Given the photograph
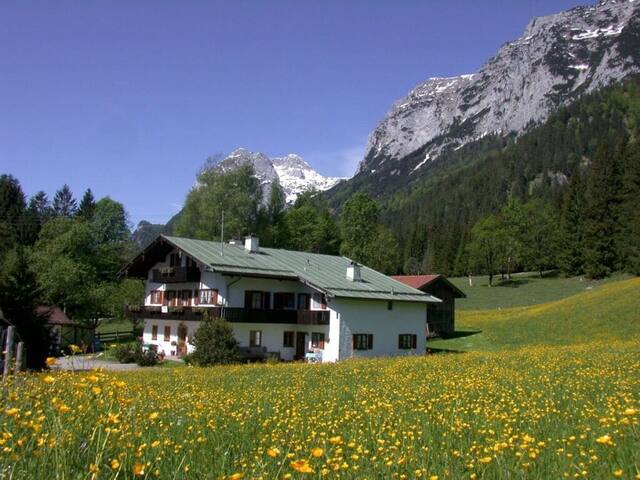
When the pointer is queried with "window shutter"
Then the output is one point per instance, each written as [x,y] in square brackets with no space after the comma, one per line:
[353,341]
[266,300]
[247,299]
[163,298]
[196,297]
[399,341]
[321,342]
[414,341]
[370,341]
[214,297]
[323,300]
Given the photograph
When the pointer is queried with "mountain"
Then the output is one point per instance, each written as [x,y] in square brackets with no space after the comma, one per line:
[294,175]
[559,58]
[291,171]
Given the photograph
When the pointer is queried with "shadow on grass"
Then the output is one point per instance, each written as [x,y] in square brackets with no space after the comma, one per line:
[434,351]
[461,334]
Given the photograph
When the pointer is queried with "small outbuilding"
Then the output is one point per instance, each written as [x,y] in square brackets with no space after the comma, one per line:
[440,316]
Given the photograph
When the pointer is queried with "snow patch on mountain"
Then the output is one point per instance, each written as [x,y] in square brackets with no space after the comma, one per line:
[292,172]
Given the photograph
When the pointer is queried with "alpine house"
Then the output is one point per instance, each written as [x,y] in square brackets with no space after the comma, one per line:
[280,303]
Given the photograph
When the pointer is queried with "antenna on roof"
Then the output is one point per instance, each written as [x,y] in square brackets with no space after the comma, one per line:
[222,235]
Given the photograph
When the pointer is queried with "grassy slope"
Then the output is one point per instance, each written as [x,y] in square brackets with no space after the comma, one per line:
[609,312]
[524,289]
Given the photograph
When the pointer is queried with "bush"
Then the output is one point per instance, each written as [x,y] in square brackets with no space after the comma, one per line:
[132,353]
[215,344]
[147,359]
[127,352]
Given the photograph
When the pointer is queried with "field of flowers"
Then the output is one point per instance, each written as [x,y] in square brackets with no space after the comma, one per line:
[541,412]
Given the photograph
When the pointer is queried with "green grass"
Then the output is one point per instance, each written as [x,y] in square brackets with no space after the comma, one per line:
[608,312]
[524,289]
[114,326]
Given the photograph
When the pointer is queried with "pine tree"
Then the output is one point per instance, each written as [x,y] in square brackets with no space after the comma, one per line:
[87,205]
[629,242]
[39,204]
[64,205]
[601,214]
[572,228]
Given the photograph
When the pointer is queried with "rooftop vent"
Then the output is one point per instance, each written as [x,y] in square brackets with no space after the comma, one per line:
[353,272]
[251,244]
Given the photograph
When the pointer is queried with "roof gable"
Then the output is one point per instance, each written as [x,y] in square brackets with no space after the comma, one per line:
[421,282]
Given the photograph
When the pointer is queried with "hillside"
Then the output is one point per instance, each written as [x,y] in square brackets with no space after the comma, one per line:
[557,59]
[606,313]
[432,216]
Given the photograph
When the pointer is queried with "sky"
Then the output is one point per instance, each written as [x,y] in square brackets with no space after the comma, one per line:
[129,97]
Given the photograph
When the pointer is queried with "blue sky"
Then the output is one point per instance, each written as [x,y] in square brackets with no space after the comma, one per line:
[130,97]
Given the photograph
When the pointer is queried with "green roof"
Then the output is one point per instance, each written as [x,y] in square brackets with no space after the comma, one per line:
[326,273]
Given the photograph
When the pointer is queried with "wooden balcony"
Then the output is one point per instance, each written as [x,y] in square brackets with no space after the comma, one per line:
[176,275]
[232,314]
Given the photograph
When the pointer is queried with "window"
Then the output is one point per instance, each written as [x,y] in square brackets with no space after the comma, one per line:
[257,300]
[362,341]
[255,338]
[167,333]
[174,260]
[317,340]
[186,297]
[284,301]
[287,340]
[407,341]
[154,332]
[208,297]
[304,301]
[171,298]
[319,301]
[156,297]
[389,305]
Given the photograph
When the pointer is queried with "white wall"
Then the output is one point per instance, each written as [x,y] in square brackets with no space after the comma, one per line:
[272,336]
[372,317]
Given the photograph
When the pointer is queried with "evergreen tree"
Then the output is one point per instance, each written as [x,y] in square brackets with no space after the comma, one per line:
[40,204]
[359,220]
[87,205]
[12,210]
[571,257]
[629,243]
[18,301]
[601,214]
[64,205]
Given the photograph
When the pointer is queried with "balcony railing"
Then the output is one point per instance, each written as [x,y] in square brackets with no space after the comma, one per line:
[176,274]
[232,314]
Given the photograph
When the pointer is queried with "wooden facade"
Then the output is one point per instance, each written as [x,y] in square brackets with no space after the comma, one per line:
[441,317]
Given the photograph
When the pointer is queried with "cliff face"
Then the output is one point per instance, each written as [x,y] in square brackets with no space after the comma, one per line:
[557,59]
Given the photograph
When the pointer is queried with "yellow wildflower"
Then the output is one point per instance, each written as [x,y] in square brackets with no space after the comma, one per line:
[301,466]
[273,452]
[115,464]
[138,469]
[604,440]
[317,452]
[153,415]
[48,379]
[485,460]
[51,361]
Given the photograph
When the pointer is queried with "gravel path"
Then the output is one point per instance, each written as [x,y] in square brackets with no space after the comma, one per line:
[89,362]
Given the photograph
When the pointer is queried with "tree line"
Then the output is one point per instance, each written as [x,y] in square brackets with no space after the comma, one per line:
[307,225]
[64,253]
[580,170]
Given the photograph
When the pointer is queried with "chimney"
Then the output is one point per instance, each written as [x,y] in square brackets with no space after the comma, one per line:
[251,244]
[353,272]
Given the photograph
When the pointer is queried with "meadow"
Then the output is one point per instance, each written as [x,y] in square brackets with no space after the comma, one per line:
[521,406]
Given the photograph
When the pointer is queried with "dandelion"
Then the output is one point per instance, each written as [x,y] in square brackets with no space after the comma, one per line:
[48,379]
[138,469]
[273,452]
[301,466]
[604,440]
[115,464]
[337,440]
[317,452]
[618,473]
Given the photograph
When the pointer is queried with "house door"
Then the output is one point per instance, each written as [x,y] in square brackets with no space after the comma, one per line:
[301,344]
[182,340]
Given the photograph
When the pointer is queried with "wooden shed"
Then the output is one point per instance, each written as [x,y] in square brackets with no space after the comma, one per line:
[440,316]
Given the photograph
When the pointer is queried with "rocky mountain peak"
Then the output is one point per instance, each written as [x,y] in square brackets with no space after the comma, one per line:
[558,58]
[292,172]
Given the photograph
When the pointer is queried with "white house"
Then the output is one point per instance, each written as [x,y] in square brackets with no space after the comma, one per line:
[280,303]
